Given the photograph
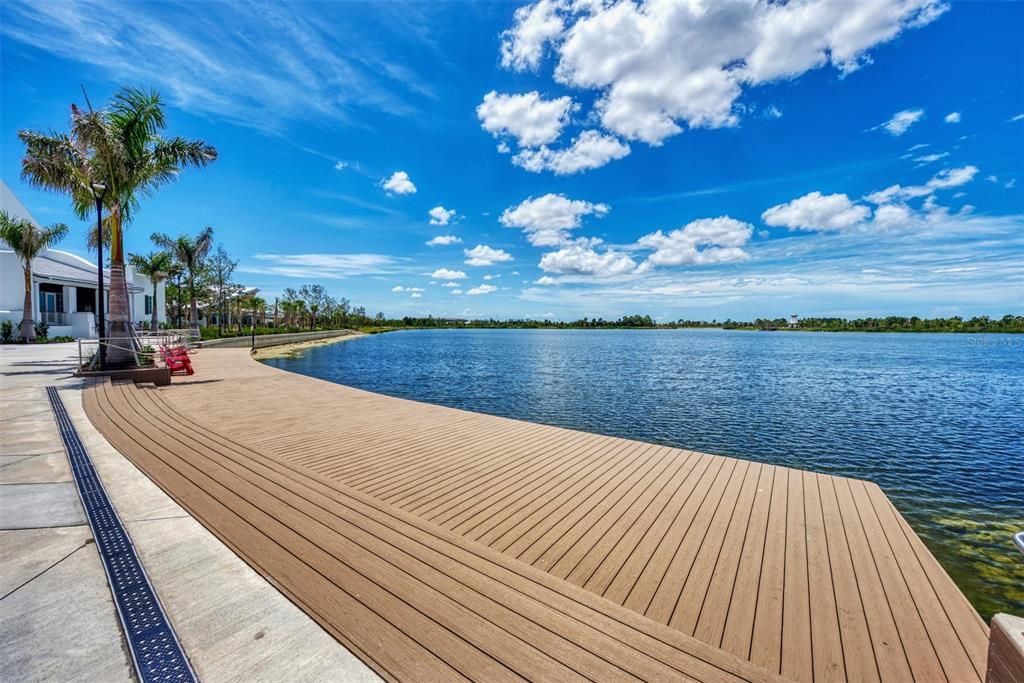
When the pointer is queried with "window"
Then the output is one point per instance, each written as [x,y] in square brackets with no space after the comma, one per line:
[149,305]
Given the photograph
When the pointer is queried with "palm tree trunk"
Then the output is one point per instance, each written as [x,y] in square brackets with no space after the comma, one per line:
[153,323]
[122,349]
[193,308]
[28,326]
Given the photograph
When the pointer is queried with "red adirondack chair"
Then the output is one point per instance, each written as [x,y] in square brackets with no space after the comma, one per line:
[179,364]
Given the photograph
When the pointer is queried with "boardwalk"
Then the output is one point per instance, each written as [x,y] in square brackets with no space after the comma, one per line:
[734,568]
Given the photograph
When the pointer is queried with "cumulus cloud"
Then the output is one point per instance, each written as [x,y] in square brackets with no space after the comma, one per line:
[450,284]
[722,240]
[523,45]
[578,259]
[440,215]
[591,149]
[341,166]
[400,288]
[952,117]
[545,280]
[815,211]
[901,121]
[483,255]
[491,277]
[416,295]
[660,65]
[482,289]
[548,220]
[399,183]
[950,177]
[446,274]
[528,117]
[443,241]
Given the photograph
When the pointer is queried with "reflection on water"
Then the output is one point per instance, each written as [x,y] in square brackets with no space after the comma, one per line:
[935,419]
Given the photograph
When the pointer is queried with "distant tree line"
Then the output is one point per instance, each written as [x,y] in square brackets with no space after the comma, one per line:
[1006,324]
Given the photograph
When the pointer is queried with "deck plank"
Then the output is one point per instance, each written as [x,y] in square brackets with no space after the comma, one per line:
[814,577]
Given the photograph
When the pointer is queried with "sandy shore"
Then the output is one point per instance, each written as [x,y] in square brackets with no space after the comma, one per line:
[298,348]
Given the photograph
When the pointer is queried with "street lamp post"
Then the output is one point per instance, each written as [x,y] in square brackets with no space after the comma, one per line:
[98,191]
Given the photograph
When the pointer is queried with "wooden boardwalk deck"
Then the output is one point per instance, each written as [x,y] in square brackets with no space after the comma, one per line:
[808,576]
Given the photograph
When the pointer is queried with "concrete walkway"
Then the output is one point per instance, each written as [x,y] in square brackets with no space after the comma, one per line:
[57,617]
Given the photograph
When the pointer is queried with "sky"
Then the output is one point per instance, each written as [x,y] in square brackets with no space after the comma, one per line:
[712,160]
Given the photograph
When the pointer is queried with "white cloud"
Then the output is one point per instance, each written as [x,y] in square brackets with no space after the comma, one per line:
[545,280]
[522,46]
[321,266]
[399,183]
[722,240]
[456,291]
[503,148]
[773,112]
[815,211]
[951,177]
[527,117]
[901,121]
[482,289]
[1018,117]
[446,274]
[929,158]
[920,145]
[341,166]
[483,255]
[658,65]
[416,295]
[952,117]
[443,241]
[450,284]
[398,288]
[440,215]
[591,149]
[491,277]
[577,259]
[268,69]
[548,219]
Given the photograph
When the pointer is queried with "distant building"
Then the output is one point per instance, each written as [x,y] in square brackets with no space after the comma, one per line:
[64,286]
[793,321]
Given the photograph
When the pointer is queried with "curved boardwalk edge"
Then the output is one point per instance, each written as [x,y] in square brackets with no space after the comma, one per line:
[413,600]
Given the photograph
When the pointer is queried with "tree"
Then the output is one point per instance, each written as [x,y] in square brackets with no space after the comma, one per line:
[26,240]
[191,253]
[220,268]
[314,296]
[157,266]
[121,148]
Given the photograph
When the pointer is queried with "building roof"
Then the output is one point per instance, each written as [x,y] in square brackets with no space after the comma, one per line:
[53,264]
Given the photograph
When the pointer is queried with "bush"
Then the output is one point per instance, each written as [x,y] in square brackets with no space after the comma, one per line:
[6,331]
[59,339]
[42,331]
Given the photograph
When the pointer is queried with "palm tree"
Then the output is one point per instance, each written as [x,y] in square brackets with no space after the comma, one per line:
[27,240]
[120,148]
[157,266]
[190,253]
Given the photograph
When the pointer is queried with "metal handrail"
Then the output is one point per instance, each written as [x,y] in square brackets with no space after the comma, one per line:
[1018,540]
[134,344]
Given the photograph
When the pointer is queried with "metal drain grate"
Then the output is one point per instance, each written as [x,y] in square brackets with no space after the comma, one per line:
[155,650]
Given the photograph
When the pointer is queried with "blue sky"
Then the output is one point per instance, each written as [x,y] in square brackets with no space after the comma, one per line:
[738,160]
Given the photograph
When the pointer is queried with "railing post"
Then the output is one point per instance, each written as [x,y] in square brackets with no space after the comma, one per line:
[1006,650]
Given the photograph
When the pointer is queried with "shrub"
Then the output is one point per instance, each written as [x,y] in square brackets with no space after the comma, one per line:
[59,339]
[42,331]
[6,331]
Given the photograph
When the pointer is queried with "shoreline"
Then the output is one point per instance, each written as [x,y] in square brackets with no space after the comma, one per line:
[296,349]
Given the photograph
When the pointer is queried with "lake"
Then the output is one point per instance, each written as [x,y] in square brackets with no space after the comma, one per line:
[937,420]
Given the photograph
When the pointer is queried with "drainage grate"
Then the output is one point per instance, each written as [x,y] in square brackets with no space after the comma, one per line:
[155,649]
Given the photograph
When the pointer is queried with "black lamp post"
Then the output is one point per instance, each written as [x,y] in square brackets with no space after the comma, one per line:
[99,190]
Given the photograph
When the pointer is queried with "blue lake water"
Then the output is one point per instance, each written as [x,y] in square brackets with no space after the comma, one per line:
[937,420]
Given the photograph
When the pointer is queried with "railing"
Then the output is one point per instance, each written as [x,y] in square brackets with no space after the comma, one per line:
[1019,541]
[88,348]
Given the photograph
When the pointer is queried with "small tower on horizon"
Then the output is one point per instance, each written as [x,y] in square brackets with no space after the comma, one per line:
[794,322]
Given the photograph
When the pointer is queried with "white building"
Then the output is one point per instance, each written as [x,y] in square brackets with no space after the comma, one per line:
[64,286]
